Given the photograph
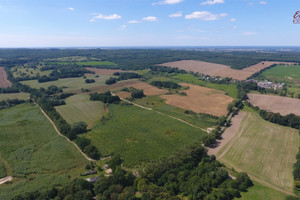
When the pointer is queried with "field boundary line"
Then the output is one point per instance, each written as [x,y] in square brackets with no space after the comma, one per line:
[150,109]
[59,133]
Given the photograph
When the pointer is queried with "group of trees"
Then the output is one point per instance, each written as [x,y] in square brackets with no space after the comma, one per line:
[165,84]
[296,171]
[122,76]
[90,81]
[105,97]
[86,146]
[10,103]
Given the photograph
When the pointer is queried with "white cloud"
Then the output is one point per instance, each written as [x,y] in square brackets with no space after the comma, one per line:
[249,33]
[167,2]
[263,2]
[71,9]
[150,19]
[212,2]
[205,16]
[133,22]
[123,27]
[106,17]
[178,14]
[233,19]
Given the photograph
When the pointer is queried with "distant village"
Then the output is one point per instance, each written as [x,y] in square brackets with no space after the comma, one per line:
[267,84]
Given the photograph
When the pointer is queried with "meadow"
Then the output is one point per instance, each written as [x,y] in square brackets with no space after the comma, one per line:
[264,150]
[70,84]
[87,63]
[80,108]
[24,71]
[36,156]
[2,169]
[21,96]
[140,135]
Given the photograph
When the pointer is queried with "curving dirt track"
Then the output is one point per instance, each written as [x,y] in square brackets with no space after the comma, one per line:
[4,83]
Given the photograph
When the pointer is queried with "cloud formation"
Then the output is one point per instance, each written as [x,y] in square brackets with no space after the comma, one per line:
[71,9]
[233,20]
[133,22]
[212,2]
[150,19]
[263,2]
[205,16]
[167,2]
[178,14]
[106,17]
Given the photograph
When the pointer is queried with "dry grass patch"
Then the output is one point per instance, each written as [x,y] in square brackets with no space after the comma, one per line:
[276,104]
[4,83]
[201,100]
[214,69]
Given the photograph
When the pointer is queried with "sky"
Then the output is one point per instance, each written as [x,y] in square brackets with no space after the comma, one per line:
[104,23]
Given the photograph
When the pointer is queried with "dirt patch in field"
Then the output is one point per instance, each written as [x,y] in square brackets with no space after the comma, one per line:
[201,100]
[213,69]
[228,134]
[276,104]
[124,95]
[4,83]
[104,71]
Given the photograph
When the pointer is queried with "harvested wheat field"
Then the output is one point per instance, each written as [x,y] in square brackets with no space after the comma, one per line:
[276,104]
[104,71]
[213,69]
[201,100]
[4,83]
[124,95]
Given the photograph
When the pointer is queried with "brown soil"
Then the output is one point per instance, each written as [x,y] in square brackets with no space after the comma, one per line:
[201,100]
[276,104]
[104,71]
[228,134]
[123,95]
[4,83]
[213,69]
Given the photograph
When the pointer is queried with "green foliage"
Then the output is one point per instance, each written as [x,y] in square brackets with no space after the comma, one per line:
[79,128]
[115,161]
[105,97]
[165,84]
[2,169]
[111,81]
[90,81]
[137,94]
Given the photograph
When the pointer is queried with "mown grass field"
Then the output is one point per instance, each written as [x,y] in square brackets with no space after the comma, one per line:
[155,102]
[264,150]
[37,156]
[140,135]
[21,96]
[230,89]
[289,74]
[80,108]
[70,84]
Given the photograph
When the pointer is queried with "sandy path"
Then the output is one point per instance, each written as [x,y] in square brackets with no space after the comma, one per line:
[86,157]
[5,179]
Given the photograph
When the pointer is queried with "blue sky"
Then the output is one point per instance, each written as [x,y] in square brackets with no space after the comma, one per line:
[91,23]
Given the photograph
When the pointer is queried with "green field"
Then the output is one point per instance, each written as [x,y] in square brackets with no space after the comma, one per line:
[70,84]
[36,156]
[2,169]
[140,135]
[156,103]
[264,150]
[80,108]
[230,89]
[289,74]
[24,71]
[21,96]
[88,63]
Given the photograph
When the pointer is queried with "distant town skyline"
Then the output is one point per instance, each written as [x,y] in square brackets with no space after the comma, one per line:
[95,23]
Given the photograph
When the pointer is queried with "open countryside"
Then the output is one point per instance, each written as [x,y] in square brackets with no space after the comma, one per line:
[3,78]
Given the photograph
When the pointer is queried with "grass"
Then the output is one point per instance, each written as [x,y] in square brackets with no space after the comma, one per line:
[36,156]
[88,63]
[2,169]
[230,89]
[70,84]
[157,103]
[264,150]
[21,96]
[23,71]
[80,108]
[140,135]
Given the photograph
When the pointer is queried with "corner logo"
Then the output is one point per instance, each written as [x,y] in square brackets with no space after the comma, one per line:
[297,18]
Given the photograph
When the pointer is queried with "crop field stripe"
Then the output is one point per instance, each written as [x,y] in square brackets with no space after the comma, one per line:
[264,150]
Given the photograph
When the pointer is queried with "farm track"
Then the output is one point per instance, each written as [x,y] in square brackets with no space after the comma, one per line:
[57,131]
[150,109]
[5,179]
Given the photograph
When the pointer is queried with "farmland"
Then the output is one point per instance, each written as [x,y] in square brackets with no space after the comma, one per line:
[21,96]
[213,69]
[80,108]
[87,63]
[103,71]
[149,90]
[274,147]
[142,137]
[36,156]
[276,104]
[201,100]
[3,78]
[25,71]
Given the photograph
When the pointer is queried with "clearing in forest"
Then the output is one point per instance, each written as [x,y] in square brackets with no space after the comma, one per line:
[264,150]
[4,83]
[80,108]
[276,104]
[214,69]
[200,100]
